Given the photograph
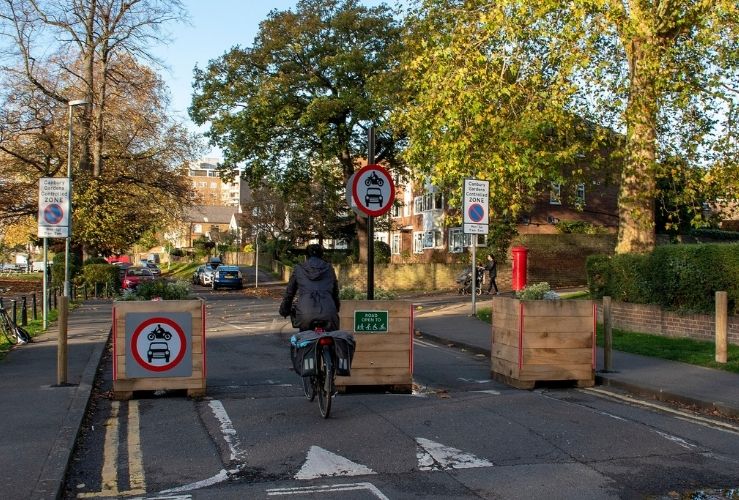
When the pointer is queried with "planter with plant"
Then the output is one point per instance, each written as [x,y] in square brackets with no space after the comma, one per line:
[159,340]
[537,337]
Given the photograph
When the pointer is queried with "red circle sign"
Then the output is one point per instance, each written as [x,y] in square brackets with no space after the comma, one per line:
[373,190]
[159,345]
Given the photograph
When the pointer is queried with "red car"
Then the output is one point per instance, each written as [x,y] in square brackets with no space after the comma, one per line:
[134,276]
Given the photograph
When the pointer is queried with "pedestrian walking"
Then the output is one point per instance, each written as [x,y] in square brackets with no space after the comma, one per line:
[492,268]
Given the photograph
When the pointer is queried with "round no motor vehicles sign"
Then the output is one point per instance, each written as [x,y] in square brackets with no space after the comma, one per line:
[159,344]
[373,190]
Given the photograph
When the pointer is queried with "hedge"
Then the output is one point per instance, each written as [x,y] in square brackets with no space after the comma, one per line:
[677,277]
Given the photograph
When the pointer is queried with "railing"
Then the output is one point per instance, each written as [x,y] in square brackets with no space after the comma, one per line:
[30,305]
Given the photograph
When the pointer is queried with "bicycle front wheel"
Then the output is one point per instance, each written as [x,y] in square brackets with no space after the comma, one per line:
[10,333]
[325,383]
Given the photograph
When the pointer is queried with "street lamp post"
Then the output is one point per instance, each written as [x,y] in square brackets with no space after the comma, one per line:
[64,309]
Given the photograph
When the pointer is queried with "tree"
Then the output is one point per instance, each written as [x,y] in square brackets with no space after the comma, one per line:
[303,95]
[70,49]
[144,183]
[519,93]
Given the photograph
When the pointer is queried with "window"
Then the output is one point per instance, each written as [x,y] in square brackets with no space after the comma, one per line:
[580,195]
[396,210]
[395,244]
[432,239]
[418,242]
[418,204]
[197,228]
[555,194]
[431,200]
[458,241]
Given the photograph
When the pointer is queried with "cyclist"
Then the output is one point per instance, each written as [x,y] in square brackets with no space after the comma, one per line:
[315,285]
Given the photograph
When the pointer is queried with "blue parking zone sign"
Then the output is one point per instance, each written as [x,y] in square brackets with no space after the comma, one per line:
[158,344]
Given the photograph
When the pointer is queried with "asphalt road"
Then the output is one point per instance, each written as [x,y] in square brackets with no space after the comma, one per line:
[459,435]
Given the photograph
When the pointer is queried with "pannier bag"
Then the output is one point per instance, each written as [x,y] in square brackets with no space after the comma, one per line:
[305,352]
[344,350]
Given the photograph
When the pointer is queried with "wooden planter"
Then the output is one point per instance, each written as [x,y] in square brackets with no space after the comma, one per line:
[384,349]
[158,345]
[543,340]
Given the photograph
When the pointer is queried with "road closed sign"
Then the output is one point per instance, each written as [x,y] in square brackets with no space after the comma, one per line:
[373,190]
[159,344]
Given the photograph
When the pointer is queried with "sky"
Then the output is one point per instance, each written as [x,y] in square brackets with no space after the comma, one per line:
[215,26]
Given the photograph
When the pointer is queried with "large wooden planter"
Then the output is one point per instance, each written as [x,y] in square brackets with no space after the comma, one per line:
[543,340]
[383,356]
[158,345]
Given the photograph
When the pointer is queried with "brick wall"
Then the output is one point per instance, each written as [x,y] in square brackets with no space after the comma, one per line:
[652,319]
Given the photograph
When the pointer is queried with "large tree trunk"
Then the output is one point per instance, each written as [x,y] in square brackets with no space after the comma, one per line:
[636,233]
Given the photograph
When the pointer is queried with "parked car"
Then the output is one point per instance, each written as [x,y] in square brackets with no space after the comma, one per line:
[155,269]
[227,277]
[197,278]
[134,276]
[206,278]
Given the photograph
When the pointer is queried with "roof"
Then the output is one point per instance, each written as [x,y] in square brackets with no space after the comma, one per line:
[210,214]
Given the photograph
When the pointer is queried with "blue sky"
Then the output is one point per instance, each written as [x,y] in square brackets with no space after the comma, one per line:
[215,26]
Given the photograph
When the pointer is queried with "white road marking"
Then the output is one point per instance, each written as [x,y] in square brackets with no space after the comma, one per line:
[696,419]
[436,456]
[676,440]
[425,344]
[328,489]
[228,431]
[474,381]
[323,463]
[490,391]
[237,456]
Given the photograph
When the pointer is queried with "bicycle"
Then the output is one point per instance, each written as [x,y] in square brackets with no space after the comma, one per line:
[14,333]
[318,361]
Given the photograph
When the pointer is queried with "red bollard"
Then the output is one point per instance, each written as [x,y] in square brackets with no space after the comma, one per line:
[520,255]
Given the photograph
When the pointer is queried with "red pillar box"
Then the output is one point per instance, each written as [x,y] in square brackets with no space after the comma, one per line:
[520,254]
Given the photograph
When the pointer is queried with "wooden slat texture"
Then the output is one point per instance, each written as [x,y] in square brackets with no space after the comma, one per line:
[195,384]
[557,340]
[380,358]
[556,356]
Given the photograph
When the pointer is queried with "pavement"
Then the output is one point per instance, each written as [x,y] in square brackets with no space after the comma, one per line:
[42,419]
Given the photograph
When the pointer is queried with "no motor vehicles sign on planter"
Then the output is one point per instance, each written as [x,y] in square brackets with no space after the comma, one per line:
[158,345]
[373,191]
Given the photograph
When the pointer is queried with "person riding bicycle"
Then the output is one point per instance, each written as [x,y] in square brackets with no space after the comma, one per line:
[312,294]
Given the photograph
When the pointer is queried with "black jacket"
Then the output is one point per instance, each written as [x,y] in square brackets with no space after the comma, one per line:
[315,290]
[492,267]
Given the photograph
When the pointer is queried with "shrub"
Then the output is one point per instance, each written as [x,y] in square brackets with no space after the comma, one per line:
[537,291]
[101,274]
[715,234]
[351,293]
[382,252]
[678,277]
[177,252]
[162,289]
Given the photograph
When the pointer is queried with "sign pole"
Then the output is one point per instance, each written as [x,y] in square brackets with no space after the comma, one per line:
[473,241]
[46,285]
[371,223]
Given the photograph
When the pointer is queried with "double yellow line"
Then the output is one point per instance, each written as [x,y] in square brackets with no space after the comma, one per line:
[109,472]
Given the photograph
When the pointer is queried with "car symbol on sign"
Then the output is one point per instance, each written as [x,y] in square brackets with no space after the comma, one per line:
[158,350]
[373,196]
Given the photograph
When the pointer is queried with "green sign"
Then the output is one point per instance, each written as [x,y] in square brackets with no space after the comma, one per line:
[370,321]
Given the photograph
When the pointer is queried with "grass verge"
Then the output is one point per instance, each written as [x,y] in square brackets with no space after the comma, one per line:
[34,328]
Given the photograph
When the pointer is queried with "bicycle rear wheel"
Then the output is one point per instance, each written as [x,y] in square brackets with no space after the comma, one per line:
[325,383]
[309,388]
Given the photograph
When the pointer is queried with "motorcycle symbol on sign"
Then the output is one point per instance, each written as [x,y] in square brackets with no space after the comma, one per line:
[374,179]
[159,333]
